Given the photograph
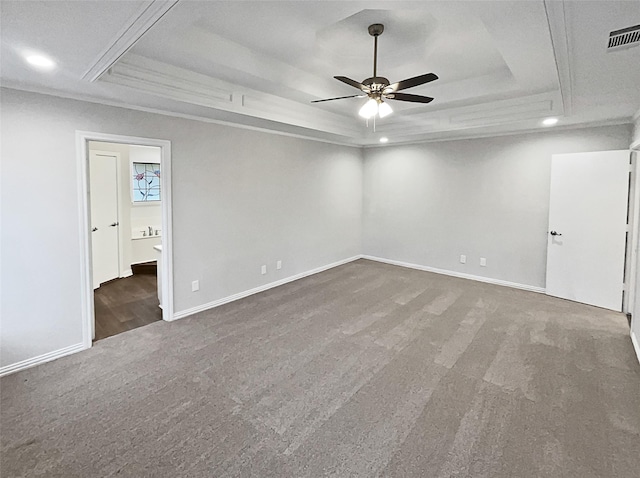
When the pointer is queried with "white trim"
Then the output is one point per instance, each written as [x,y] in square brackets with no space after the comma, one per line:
[262,288]
[556,21]
[40,359]
[82,155]
[84,220]
[460,275]
[500,134]
[173,114]
[353,143]
[127,273]
[127,37]
[636,344]
[631,257]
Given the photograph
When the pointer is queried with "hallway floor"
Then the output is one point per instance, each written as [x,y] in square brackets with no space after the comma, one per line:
[126,304]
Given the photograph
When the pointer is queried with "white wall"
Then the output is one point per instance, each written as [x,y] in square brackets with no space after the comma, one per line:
[240,199]
[427,204]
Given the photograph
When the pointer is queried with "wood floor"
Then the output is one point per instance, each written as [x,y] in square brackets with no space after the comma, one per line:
[125,304]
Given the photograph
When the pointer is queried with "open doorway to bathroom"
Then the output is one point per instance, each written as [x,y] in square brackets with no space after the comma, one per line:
[125,199]
[127,272]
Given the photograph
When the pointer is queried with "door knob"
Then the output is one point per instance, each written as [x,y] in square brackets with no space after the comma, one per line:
[554,233]
[94,229]
[114,224]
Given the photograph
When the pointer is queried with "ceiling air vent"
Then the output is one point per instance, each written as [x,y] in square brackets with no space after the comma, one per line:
[625,38]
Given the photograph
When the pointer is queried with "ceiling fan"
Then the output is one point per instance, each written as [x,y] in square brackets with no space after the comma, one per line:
[378,88]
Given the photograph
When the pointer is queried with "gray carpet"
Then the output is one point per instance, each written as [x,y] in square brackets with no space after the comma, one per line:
[363,370]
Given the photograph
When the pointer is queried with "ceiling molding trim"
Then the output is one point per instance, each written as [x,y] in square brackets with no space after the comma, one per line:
[172,82]
[505,114]
[494,134]
[164,84]
[492,113]
[172,114]
[556,21]
[128,36]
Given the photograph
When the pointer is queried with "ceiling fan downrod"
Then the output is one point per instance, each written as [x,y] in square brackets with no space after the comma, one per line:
[378,88]
[375,31]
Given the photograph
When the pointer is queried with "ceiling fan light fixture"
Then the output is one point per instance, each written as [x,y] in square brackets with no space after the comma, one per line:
[369,109]
[384,109]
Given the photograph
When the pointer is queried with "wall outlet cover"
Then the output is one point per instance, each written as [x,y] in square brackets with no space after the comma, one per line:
[279,265]
[483,261]
[195,286]
[463,259]
[264,270]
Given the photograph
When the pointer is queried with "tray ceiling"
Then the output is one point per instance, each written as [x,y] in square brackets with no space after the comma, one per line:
[503,66]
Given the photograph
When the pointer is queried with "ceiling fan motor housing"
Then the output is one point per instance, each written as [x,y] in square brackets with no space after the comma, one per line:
[376,83]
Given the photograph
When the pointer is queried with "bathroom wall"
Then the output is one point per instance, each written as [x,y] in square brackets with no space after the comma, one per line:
[144,215]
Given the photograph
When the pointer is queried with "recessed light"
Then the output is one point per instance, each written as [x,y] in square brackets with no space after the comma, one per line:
[40,61]
[550,121]
[384,139]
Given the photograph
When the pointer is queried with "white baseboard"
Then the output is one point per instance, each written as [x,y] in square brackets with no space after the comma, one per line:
[636,344]
[127,273]
[262,288]
[40,359]
[461,275]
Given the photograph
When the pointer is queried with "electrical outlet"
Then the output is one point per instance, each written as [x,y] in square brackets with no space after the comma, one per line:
[483,262]
[279,265]
[264,270]
[463,259]
[195,286]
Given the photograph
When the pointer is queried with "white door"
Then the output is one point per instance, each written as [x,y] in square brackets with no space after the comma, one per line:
[104,217]
[587,227]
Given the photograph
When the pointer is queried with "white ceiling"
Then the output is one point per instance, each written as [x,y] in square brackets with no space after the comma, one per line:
[503,65]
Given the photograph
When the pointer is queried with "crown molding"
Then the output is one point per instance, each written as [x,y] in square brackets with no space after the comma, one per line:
[176,83]
[442,136]
[556,20]
[140,24]
[539,130]
[173,114]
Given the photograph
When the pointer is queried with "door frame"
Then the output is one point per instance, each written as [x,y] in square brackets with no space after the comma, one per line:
[82,157]
[632,305]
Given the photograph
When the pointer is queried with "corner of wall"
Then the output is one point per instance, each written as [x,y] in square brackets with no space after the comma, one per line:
[635,137]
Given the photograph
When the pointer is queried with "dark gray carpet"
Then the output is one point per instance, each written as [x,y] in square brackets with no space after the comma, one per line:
[364,370]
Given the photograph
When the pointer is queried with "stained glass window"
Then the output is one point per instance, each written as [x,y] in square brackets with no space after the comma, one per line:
[146,182]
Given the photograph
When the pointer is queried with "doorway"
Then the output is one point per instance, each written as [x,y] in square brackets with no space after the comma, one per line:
[125,231]
[126,235]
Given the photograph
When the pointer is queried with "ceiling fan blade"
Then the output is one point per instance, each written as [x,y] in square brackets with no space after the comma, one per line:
[353,83]
[408,97]
[338,98]
[411,82]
